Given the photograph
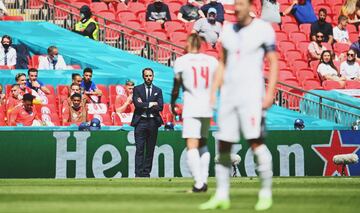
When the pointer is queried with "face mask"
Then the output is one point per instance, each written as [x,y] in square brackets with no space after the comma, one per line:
[55,59]
[6,46]
[82,16]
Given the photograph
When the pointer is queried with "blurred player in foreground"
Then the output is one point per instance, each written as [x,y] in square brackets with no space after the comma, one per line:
[194,72]
[244,100]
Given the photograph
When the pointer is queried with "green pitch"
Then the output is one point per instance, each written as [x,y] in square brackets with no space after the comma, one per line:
[306,195]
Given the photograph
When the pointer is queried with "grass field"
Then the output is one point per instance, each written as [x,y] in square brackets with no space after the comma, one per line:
[309,195]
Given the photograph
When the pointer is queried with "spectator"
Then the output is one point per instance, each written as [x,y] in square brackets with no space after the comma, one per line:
[2,97]
[75,113]
[218,7]
[14,99]
[76,79]
[87,26]
[302,10]
[3,10]
[351,9]
[20,79]
[53,61]
[190,12]
[89,87]
[327,69]
[7,52]
[34,83]
[340,32]
[350,69]
[74,88]
[208,28]
[315,48]
[322,26]
[158,11]
[356,47]
[270,11]
[123,102]
[24,114]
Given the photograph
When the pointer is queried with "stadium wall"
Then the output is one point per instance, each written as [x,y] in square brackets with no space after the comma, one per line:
[110,154]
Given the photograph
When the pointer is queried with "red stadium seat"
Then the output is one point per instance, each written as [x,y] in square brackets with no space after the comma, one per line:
[311,84]
[124,16]
[13,18]
[174,6]
[299,65]
[51,88]
[136,6]
[281,36]
[288,19]
[159,36]
[212,52]
[341,48]
[35,4]
[98,6]
[292,82]
[35,61]
[60,88]
[120,7]
[230,18]
[286,75]
[325,6]
[317,2]
[351,28]
[285,46]
[105,119]
[292,55]
[115,90]
[5,67]
[107,14]
[290,27]
[173,26]
[276,27]
[112,32]
[46,109]
[151,26]
[354,36]
[100,108]
[133,25]
[54,118]
[302,76]
[178,36]
[352,85]
[136,41]
[305,28]
[298,36]
[329,85]
[103,89]
[302,46]
[2,118]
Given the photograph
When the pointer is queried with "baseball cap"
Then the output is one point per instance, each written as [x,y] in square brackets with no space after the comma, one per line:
[212,10]
[95,124]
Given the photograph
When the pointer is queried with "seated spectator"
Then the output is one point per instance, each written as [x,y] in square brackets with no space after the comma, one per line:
[24,114]
[92,93]
[356,47]
[3,10]
[14,99]
[2,97]
[20,79]
[270,11]
[87,26]
[74,88]
[208,28]
[350,69]
[190,12]
[316,48]
[53,61]
[7,52]
[34,84]
[76,79]
[302,10]
[340,32]
[218,7]
[327,69]
[123,102]
[158,11]
[322,26]
[75,113]
[351,9]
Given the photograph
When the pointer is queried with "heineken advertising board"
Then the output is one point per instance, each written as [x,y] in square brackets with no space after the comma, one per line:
[111,154]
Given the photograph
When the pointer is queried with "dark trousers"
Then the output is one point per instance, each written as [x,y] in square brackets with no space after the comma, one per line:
[145,137]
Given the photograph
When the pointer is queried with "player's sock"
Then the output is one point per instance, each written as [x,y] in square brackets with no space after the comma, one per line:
[193,160]
[204,163]
[264,167]
[222,170]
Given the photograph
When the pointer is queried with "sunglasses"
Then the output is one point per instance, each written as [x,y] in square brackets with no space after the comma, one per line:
[350,54]
[320,36]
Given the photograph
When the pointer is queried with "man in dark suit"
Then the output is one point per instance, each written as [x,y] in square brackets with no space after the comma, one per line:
[148,101]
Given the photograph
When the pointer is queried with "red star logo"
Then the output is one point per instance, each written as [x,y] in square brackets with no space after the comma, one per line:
[327,151]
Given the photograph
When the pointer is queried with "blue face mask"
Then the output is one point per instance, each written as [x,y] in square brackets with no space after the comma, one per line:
[55,59]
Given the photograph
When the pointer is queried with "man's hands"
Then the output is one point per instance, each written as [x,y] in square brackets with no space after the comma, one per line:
[151,104]
[35,84]
[129,99]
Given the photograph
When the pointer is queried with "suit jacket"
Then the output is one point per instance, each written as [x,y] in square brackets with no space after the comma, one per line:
[142,105]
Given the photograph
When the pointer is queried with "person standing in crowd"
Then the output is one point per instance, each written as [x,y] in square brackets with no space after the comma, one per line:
[341,35]
[148,101]
[197,111]
[322,26]
[315,48]
[302,10]
[93,94]
[220,11]
[208,28]
[190,12]
[7,52]
[76,112]
[246,44]
[270,11]
[350,69]
[158,11]
[34,83]
[327,69]
[87,26]
[53,61]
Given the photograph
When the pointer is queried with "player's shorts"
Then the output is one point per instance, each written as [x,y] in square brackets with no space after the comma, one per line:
[249,119]
[196,128]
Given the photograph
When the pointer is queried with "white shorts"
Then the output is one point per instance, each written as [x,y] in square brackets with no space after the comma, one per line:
[196,128]
[249,119]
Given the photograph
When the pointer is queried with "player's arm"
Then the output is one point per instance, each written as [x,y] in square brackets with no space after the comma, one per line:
[218,77]
[271,56]
[137,100]
[175,92]
[45,90]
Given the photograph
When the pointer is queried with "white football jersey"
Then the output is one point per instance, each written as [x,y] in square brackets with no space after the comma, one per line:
[197,72]
[246,47]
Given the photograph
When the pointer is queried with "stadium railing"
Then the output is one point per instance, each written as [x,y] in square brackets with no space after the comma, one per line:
[111,32]
[315,105]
